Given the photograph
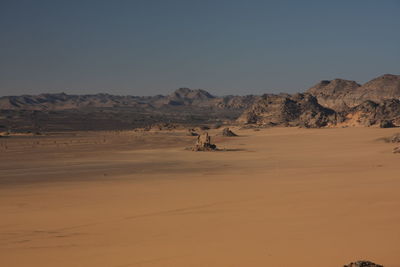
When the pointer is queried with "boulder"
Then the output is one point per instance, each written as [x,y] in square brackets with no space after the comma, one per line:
[362,264]
[386,124]
[192,132]
[228,132]
[395,138]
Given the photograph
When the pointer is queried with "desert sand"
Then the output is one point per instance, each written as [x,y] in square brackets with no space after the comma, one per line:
[277,197]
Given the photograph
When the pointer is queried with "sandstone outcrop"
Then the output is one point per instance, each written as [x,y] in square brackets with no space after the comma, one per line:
[203,143]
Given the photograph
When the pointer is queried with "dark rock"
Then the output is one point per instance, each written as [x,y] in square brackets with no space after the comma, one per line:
[228,132]
[394,138]
[164,126]
[192,132]
[204,128]
[386,124]
[396,150]
[362,264]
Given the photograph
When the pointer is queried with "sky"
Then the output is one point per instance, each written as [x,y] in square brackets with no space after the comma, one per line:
[226,47]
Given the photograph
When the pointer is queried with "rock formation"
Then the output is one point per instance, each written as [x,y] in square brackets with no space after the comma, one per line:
[192,132]
[203,143]
[394,138]
[362,264]
[331,103]
[341,94]
[289,110]
[386,124]
[386,113]
[335,94]
[228,132]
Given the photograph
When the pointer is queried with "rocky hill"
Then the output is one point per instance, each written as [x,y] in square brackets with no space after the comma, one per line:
[337,94]
[289,110]
[341,94]
[332,103]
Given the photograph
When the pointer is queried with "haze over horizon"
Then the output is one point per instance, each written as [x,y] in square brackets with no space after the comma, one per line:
[224,47]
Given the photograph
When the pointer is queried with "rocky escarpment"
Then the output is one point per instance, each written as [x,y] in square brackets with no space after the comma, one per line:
[289,110]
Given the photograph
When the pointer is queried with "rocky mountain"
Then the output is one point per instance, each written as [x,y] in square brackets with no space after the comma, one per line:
[289,110]
[63,101]
[337,94]
[382,88]
[341,94]
[186,96]
[332,103]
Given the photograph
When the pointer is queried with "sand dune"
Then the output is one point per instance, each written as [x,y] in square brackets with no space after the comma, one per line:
[284,197]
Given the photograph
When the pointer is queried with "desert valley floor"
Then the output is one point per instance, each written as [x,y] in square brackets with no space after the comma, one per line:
[281,197]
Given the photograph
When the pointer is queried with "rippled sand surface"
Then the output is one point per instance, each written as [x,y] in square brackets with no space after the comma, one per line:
[276,197]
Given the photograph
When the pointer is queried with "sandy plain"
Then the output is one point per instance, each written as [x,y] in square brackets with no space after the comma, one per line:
[277,197]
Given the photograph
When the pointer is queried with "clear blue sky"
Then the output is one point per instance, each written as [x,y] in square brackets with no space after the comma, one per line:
[227,47]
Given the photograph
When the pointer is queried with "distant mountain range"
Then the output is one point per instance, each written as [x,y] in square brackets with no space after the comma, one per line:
[328,103]
[180,97]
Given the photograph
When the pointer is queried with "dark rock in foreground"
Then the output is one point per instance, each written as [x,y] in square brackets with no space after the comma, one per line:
[386,124]
[362,264]
[203,143]
[394,138]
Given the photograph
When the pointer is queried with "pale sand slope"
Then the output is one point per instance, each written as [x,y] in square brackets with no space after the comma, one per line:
[292,197]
